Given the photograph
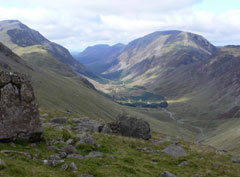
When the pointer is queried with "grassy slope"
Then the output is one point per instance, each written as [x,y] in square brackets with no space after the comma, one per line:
[121,158]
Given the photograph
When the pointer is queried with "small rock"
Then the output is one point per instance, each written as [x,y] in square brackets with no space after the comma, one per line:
[94,154]
[45,162]
[221,152]
[69,149]
[73,167]
[52,148]
[106,129]
[202,158]
[174,151]
[196,175]
[147,150]
[2,164]
[183,164]
[69,142]
[44,115]
[85,138]
[111,157]
[42,119]
[235,160]
[216,164]
[64,167]
[75,156]
[13,145]
[167,174]
[53,163]
[63,155]
[33,145]
[59,120]
[80,120]
[86,175]
[54,157]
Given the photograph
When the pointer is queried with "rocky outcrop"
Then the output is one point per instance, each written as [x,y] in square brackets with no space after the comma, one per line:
[132,127]
[174,151]
[19,116]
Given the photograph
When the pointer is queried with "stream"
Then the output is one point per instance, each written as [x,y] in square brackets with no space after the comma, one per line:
[201,132]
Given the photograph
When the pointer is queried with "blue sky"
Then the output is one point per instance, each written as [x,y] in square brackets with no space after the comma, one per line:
[77,24]
[218,6]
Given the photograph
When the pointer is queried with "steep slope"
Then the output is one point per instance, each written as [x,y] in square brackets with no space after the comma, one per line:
[11,62]
[164,50]
[57,85]
[27,43]
[100,58]
[55,91]
[65,91]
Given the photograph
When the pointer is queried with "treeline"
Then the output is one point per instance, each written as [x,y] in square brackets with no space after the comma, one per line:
[145,105]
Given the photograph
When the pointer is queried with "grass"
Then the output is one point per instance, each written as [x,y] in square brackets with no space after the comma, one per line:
[121,158]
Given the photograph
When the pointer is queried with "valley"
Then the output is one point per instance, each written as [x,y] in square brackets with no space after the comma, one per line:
[196,80]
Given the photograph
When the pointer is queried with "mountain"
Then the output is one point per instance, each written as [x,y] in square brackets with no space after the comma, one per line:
[199,81]
[60,90]
[163,50]
[100,58]
[10,61]
[27,42]
[56,80]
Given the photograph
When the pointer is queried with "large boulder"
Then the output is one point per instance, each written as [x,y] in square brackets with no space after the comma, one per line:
[132,127]
[19,116]
[174,151]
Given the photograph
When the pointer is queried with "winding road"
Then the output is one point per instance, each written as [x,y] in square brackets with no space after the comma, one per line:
[201,132]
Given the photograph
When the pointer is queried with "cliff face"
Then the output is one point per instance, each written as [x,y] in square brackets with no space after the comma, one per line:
[19,116]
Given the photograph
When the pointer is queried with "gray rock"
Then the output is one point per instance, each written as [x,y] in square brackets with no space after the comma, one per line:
[54,157]
[73,167]
[13,144]
[167,174]
[174,151]
[75,156]
[85,138]
[45,162]
[19,115]
[44,115]
[106,129]
[59,120]
[131,127]
[64,167]
[183,164]
[53,163]
[52,148]
[26,154]
[63,155]
[2,164]
[94,154]
[147,150]
[196,175]
[80,120]
[86,175]
[235,160]
[216,164]
[221,151]
[69,141]
[69,149]
[88,126]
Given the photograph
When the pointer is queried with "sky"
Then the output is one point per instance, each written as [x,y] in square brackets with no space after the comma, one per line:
[77,24]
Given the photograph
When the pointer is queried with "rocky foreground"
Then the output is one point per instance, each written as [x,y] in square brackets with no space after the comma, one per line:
[81,147]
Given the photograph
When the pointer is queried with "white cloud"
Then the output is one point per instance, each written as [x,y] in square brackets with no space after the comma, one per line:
[77,24]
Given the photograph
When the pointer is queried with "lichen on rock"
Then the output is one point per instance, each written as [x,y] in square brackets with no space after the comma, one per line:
[19,115]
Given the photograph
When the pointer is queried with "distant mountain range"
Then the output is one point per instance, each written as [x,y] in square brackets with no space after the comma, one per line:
[200,81]
[58,78]
[100,58]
